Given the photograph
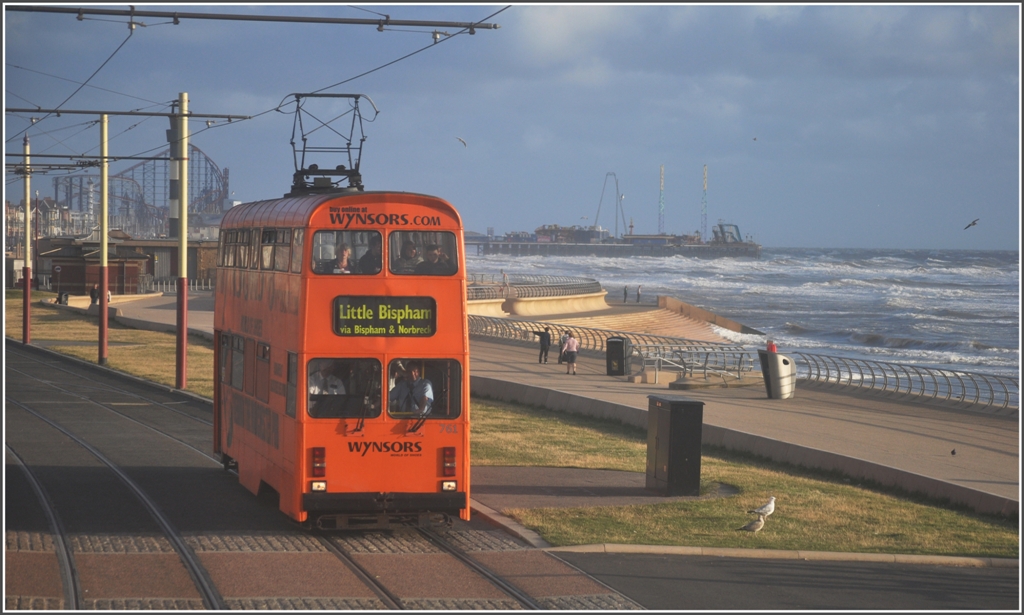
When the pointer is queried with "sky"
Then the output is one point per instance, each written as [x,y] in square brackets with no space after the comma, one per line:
[860,126]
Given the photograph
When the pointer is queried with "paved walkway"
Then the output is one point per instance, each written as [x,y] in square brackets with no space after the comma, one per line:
[910,438]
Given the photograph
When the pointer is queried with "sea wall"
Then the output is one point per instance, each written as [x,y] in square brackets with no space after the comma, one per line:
[696,313]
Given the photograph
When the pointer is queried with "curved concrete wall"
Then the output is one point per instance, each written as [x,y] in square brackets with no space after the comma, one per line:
[486,307]
[534,306]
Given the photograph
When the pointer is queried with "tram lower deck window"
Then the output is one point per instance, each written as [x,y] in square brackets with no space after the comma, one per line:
[425,388]
[343,388]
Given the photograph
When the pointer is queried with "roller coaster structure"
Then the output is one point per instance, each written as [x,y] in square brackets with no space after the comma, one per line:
[138,196]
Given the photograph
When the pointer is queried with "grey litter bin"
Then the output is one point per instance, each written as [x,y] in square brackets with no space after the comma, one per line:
[674,431]
[617,352]
[779,373]
[62,298]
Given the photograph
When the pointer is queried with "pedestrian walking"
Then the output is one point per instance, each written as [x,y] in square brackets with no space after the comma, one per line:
[561,347]
[572,347]
[625,294]
[545,344]
[638,293]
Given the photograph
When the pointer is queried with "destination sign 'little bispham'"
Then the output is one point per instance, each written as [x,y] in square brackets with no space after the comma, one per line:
[385,316]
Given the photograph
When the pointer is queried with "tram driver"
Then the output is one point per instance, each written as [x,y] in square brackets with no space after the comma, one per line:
[412,394]
[324,382]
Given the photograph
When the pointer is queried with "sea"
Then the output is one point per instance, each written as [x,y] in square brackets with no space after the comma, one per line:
[956,310]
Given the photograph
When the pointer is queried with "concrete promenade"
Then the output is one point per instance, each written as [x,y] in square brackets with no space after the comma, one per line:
[865,436]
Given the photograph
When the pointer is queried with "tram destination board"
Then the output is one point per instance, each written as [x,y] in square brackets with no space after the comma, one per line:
[385,316]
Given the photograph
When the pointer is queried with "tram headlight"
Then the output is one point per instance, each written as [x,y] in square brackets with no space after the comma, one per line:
[449,485]
[319,485]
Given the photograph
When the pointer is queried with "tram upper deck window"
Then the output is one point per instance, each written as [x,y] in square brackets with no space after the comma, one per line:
[425,388]
[344,388]
[345,252]
[423,253]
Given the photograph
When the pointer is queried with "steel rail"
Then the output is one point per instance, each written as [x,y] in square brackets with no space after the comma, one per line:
[65,557]
[519,595]
[125,416]
[391,601]
[211,597]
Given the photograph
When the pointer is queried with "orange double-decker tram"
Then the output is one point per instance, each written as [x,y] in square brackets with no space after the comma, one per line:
[342,351]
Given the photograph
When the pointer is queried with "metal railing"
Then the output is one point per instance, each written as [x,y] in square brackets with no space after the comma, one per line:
[492,286]
[590,339]
[692,357]
[690,361]
[170,285]
[910,381]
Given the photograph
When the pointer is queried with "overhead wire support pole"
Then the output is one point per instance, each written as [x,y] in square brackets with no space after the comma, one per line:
[104,241]
[26,270]
[181,381]
[178,15]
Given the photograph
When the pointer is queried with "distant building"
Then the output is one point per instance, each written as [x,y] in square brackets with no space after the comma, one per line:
[553,233]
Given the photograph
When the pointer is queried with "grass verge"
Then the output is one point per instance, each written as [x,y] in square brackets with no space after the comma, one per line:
[146,354]
[816,511]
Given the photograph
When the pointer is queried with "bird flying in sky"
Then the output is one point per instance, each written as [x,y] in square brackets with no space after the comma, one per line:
[462,141]
[972,223]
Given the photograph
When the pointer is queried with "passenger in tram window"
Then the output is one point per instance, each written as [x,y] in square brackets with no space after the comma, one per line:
[324,382]
[436,262]
[412,394]
[408,259]
[343,263]
[371,261]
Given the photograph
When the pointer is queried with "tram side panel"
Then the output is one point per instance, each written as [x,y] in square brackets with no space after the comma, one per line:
[256,335]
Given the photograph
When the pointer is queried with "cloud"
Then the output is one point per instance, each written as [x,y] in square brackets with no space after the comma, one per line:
[554,35]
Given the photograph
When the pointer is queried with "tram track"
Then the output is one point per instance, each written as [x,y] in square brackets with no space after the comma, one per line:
[210,596]
[386,577]
[62,549]
[520,596]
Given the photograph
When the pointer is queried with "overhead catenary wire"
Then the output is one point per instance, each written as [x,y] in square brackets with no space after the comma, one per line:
[79,88]
[278,108]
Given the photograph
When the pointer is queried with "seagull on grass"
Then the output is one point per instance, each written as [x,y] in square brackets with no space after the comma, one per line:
[755,525]
[765,510]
